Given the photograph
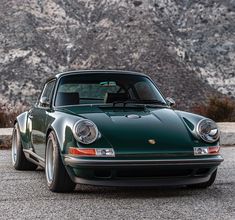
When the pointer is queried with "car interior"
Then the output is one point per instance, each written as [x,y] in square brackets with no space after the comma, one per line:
[72,98]
[67,98]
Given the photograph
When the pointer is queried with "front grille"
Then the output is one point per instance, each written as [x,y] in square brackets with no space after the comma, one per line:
[145,173]
[152,173]
[103,173]
[202,171]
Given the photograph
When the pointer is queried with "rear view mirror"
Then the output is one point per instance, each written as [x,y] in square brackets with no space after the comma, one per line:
[44,102]
[108,84]
[170,101]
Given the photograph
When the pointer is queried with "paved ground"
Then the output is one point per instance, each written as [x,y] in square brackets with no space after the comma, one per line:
[24,195]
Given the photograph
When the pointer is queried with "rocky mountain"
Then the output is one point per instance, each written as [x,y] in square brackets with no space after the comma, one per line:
[186,46]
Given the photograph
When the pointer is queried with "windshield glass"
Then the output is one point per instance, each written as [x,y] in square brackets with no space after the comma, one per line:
[106,88]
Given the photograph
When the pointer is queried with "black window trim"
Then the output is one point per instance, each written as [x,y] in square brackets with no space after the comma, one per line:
[55,89]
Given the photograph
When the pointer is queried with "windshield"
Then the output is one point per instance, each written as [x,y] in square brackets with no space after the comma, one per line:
[106,88]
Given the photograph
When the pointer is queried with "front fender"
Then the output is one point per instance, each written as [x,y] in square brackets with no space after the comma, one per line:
[62,124]
[191,120]
[62,127]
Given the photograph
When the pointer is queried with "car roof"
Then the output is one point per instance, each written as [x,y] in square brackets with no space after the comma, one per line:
[98,71]
[58,75]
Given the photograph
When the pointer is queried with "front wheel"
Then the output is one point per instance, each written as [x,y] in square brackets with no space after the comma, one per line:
[57,177]
[19,160]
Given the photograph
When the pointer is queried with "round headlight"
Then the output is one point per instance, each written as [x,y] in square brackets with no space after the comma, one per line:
[208,131]
[85,131]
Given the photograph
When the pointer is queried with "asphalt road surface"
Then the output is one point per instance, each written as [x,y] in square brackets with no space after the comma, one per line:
[24,195]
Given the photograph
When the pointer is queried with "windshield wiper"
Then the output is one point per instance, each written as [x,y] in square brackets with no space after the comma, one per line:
[155,101]
[140,102]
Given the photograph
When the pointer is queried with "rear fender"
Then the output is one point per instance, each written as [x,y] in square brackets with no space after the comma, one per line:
[24,127]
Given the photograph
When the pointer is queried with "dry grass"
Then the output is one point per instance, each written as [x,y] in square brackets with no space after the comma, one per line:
[8,114]
[218,109]
[6,144]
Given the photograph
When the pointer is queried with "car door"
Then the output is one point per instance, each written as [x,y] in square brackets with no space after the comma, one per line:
[38,116]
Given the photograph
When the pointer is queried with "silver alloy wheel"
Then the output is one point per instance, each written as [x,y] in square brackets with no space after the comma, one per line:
[15,142]
[50,161]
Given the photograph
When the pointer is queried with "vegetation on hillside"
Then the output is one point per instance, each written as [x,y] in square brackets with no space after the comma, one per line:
[8,114]
[218,109]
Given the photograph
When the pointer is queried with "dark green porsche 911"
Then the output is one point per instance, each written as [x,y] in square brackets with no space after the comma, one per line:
[113,128]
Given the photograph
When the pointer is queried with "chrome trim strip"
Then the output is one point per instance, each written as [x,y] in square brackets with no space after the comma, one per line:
[34,155]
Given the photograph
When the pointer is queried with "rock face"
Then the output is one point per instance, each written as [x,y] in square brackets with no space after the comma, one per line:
[186,46]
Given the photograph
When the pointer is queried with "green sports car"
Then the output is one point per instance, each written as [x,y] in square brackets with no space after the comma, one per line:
[113,128]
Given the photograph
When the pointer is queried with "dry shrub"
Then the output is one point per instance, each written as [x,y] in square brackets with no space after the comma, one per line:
[5,143]
[218,109]
[8,114]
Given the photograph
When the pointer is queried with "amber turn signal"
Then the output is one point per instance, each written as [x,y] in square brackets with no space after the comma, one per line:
[213,150]
[97,152]
[82,152]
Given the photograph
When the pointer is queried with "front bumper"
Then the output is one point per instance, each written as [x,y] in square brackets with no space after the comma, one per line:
[158,172]
[74,162]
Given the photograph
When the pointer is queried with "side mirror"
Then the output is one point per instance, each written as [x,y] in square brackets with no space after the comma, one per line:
[170,101]
[44,102]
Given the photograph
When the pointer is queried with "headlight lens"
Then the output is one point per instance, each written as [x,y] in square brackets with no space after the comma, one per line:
[207,130]
[85,131]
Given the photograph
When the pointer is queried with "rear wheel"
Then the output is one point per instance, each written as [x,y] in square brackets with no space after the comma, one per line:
[57,177]
[19,160]
[205,184]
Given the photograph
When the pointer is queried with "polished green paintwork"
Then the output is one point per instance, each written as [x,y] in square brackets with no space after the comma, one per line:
[25,128]
[128,137]
[174,131]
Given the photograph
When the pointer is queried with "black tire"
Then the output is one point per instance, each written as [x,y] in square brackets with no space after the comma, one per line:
[19,160]
[205,184]
[57,177]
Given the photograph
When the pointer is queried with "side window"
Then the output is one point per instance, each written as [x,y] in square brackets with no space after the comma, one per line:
[46,96]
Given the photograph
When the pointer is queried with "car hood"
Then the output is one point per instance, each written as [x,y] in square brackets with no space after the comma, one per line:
[139,130]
